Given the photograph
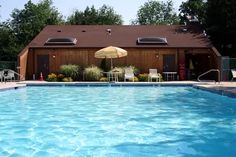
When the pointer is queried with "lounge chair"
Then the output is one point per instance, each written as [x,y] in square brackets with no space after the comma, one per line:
[233,74]
[129,74]
[8,75]
[153,75]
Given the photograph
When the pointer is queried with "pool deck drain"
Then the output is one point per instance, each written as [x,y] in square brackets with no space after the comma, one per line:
[222,88]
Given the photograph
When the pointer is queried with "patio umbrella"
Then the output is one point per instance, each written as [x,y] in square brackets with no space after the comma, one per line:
[111,52]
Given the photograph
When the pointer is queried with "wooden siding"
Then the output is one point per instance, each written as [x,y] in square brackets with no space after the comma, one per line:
[22,63]
[142,58]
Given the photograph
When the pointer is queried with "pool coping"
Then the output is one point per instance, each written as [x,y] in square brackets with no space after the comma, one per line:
[97,84]
[11,86]
[218,89]
[223,88]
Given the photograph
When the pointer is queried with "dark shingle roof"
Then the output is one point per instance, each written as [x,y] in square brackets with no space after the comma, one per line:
[98,36]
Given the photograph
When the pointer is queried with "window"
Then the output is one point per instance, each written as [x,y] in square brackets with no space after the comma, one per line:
[151,40]
[61,41]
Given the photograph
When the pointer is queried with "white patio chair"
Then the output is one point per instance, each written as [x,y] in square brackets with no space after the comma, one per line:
[233,74]
[129,74]
[9,75]
[153,75]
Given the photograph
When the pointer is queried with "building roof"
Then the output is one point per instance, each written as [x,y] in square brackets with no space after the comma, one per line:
[126,36]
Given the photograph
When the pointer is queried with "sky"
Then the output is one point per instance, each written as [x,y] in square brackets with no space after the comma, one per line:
[126,8]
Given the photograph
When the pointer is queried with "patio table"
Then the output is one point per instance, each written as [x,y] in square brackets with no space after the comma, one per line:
[112,76]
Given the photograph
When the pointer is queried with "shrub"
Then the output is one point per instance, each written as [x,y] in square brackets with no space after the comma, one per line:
[103,79]
[104,65]
[67,79]
[92,73]
[131,79]
[143,77]
[136,79]
[70,70]
[52,77]
[60,77]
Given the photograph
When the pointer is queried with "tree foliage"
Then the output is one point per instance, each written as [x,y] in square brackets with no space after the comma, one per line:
[193,8]
[26,23]
[221,25]
[156,13]
[90,16]
[8,45]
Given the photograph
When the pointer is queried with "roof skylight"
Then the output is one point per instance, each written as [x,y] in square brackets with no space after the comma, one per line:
[61,41]
[151,40]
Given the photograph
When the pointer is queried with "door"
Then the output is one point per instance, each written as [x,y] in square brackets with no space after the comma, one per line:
[169,64]
[42,65]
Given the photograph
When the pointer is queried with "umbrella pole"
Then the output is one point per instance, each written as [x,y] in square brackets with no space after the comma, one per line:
[111,64]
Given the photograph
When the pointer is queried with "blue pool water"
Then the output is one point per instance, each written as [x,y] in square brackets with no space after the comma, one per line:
[116,122]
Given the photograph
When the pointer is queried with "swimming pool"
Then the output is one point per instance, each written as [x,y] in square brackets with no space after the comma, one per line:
[116,122]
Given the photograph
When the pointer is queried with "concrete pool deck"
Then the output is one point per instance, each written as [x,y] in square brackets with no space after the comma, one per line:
[222,88]
[11,85]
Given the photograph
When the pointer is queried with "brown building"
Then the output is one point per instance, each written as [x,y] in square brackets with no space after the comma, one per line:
[176,48]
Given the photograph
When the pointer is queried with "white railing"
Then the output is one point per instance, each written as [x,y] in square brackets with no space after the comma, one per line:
[211,70]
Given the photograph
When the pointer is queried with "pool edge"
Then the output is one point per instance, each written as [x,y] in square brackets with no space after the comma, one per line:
[217,90]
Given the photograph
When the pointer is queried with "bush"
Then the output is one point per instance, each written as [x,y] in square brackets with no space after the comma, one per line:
[143,77]
[104,65]
[92,73]
[60,77]
[67,79]
[70,70]
[52,77]
[136,79]
[103,79]
[131,80]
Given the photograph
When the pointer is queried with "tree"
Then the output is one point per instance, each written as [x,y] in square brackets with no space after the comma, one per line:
[8,45]
[24,26]
[90,16]
[221,25]
[107,16]
[28,22]
[156,13]
[193,8]
[87,17]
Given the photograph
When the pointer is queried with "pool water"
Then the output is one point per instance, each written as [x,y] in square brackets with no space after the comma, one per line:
[116,122]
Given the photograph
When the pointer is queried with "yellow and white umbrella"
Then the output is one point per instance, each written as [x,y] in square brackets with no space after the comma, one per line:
[111,52]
